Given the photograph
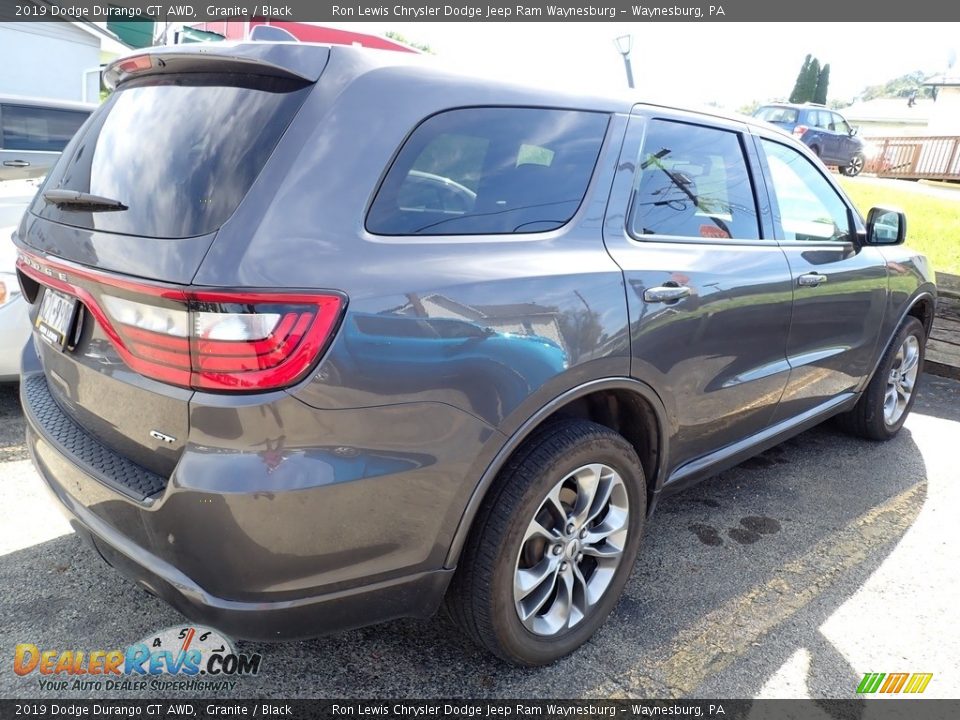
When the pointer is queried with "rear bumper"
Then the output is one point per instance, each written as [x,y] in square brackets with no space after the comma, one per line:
[416,595]
[318,539]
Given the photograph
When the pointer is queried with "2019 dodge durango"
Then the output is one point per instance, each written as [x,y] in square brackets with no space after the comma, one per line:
[324,337]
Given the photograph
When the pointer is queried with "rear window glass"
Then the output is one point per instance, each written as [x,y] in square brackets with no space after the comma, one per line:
[37,128]
[777,114]
[489,171]
[180,151]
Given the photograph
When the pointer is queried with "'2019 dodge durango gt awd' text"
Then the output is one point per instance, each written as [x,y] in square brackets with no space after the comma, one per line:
[356,336]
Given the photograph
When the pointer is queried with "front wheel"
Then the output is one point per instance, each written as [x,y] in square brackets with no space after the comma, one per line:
[887,400]
[854,167]
[553,544]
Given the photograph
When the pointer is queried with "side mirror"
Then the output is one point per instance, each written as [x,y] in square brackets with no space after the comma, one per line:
[886,226]
[853,131]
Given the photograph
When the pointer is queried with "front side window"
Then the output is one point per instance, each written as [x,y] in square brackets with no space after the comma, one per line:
[693,182]
[840,125]
[37,128]
[489,171]
[810,209]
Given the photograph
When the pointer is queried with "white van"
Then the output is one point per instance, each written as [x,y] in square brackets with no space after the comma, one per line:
[34,131]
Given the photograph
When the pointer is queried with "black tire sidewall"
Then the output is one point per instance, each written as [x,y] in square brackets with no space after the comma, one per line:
[517,641]
[878,386]
[848,170]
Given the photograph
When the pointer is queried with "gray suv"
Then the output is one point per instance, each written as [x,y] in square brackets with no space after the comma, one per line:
[325,337]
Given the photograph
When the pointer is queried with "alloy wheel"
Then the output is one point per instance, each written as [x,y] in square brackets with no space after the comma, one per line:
[902,380]
[855,166]
[571,549]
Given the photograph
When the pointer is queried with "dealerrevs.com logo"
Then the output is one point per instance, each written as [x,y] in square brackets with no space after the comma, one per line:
[192,658]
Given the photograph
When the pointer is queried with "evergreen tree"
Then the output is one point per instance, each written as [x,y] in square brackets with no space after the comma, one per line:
[810,81]
[801,79]
[823,82]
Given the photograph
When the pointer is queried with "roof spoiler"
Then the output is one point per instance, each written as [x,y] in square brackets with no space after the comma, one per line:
[290,61]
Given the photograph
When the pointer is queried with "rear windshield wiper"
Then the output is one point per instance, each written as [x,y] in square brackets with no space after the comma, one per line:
[75,200]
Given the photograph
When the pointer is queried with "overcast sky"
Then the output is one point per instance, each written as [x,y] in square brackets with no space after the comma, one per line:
[696,63]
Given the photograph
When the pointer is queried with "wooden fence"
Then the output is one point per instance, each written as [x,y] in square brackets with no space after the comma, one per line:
[915,158]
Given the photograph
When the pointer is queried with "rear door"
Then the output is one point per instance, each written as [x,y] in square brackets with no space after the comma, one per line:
[708,289]
[839,287]
[32,137]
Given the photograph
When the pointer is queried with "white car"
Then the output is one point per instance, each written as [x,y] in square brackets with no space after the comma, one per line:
[14,322]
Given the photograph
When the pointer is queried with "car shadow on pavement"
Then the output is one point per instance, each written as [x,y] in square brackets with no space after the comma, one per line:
[735,575]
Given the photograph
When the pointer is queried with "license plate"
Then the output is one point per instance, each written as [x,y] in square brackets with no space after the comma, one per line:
[56,317]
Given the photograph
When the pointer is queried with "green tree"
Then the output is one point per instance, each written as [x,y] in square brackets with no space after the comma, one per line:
[412,43]
[810,81]
[823,82]
[901,86]
[798,86]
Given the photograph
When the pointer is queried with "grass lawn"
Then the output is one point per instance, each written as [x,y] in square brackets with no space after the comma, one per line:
[933,223]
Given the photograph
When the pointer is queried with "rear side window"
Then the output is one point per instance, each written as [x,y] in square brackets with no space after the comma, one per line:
[38,128]
[777,115]
[180,151]
[489,171]
[693,182]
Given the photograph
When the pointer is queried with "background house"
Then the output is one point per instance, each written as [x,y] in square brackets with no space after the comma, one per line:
[945,116]
[890,116]
[56,60]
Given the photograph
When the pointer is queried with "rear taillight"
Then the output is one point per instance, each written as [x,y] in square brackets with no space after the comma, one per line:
[226,340]
[799,130]
[207,339]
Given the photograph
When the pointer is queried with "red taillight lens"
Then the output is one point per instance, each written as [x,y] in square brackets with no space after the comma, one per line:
[226,341]
[799,130]
[207,340]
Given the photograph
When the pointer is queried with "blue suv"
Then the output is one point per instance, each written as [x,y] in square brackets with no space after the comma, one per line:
[821,129]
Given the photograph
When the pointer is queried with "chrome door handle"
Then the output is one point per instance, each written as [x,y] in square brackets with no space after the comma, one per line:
[811,280]
[16,163]
[665,293]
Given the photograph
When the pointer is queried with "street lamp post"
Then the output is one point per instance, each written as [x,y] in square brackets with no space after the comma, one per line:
[624,45]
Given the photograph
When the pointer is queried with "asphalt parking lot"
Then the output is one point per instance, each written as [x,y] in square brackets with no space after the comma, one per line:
[788,576]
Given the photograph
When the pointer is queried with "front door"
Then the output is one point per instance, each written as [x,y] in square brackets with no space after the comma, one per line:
[846,144]
[839,287]
[708,290]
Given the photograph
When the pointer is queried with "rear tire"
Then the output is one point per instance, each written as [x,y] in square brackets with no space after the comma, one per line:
[548,557]
[887,400]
